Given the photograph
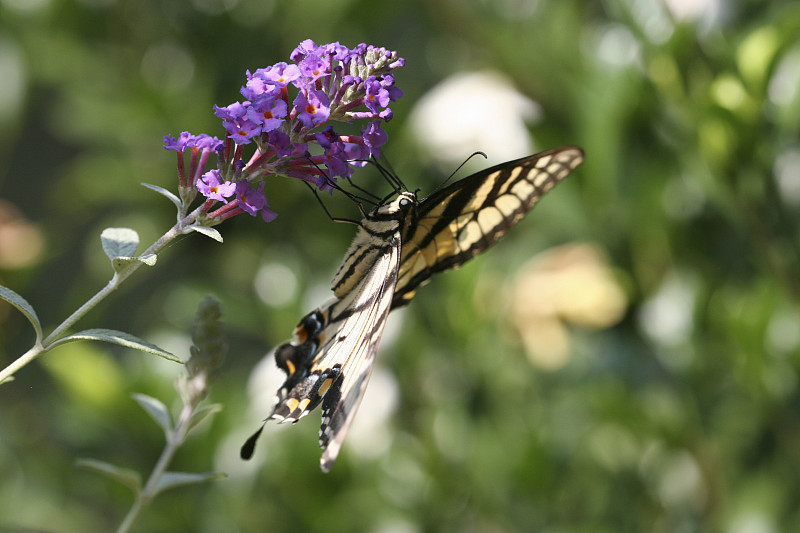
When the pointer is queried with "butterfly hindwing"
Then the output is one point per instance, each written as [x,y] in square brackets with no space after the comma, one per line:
[331,358]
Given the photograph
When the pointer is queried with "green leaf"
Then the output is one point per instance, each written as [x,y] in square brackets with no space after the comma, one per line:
[120,263]
[126,476]
[24,307]
[157,411]
[202,413]
[119,242]
[176,479]
[117,337]
[164,192]
[205,230]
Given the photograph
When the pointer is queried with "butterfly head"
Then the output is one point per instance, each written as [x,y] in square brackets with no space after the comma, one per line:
[397,208]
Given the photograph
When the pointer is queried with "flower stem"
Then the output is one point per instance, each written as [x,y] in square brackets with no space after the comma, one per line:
[149,491]
[21,361]
[110,287]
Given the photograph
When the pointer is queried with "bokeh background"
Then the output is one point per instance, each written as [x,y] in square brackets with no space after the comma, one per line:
[625,360]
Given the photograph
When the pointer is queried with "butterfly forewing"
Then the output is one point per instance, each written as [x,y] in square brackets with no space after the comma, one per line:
[462,220]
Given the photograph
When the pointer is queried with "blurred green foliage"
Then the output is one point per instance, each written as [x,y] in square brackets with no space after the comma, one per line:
[683,416]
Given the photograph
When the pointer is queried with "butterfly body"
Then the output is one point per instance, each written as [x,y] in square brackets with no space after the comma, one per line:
[374,235]
[398,246]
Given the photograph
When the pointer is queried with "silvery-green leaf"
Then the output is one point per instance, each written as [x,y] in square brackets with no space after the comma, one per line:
[126,476]
[176,479]
[208,232]
[164,192]
[202,413]
[157,411]
[121,263]
[24,307]
[118,337]
[119,242]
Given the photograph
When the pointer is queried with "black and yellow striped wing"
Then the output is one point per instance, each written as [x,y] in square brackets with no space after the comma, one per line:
[464,219]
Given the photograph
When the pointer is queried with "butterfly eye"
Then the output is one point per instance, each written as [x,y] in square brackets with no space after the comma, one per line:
[404,202]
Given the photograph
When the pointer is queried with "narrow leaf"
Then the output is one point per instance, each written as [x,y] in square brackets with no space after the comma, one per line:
[24,307]
[119,242]
[157,411]
[164,192]
[202,413]
[208,232]
[118,337]
[126,476]
[176,479]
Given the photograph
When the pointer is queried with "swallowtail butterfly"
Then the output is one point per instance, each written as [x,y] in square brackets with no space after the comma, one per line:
[399,245]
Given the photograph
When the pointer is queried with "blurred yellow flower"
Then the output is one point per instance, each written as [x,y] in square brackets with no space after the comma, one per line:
[568,284]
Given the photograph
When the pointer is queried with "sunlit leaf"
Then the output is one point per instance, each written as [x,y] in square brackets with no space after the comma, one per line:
[121,263]
[119,242]
[24,307]
[164,192]
[208,232]
[118,337]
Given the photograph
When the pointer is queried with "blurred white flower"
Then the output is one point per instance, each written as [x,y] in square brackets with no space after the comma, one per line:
[370,435]
[474,111]
[667,316]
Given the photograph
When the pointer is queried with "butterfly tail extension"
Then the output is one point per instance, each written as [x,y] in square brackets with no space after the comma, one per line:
[249,446]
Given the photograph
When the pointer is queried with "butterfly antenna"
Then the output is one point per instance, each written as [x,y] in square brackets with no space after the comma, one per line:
[375,197]
[358,200]
[442,184]
[389,175]
[335,186]
[324,208]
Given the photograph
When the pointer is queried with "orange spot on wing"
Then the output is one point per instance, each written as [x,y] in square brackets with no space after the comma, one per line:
[325,386]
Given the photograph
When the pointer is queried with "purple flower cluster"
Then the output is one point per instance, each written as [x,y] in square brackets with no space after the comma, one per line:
[293,136]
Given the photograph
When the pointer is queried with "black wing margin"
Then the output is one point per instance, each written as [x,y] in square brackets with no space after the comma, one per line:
[464,219]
